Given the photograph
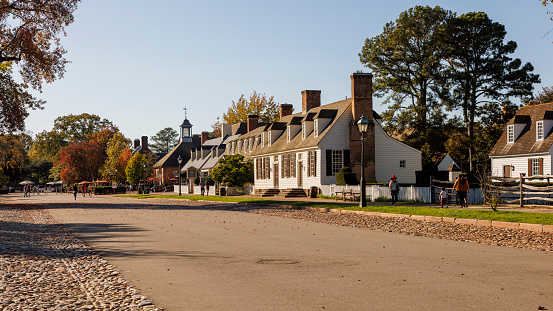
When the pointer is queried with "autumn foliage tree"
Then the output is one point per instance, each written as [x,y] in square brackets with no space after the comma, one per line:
[29,39]
[258,104]
[135,170]
[12,156]
[81,161]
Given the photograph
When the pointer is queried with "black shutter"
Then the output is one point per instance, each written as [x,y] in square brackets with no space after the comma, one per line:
[328,162]
[346,158]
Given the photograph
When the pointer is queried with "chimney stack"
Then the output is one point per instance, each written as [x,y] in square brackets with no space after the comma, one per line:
[253,121]
[286,110]
[362,105]
[310,99]
[136,143]
[144,143]
[226,129]
[205,137]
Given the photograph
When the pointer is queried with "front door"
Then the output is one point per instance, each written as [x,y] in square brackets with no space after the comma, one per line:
[300,170]
[507,171]
[275,176]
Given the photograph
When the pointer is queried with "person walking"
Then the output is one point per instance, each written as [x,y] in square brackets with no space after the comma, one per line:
[394,189]
[443,198]
[25,191]
[202,187]
[461,186]
[75,190]
[83,189]
[207,188]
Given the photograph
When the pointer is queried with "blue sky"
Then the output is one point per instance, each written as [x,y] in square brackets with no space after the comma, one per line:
[138,63]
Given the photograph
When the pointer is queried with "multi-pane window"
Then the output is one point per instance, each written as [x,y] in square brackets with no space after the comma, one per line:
[337,161]
[251,143]
[401,163]
[316,128]
[510,133]
[269,138]
[303,130]
[539,130]
[536,166]
[288,132]
[312,163]
[292,165]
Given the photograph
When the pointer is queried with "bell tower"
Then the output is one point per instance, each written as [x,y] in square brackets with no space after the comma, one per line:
[185,129]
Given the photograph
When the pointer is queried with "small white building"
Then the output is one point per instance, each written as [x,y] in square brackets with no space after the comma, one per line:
[308,148]
[526,145]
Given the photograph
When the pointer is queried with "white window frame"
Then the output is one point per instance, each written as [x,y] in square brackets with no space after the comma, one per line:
[303,130]
[539,130]
[510,133]
[402,163]
[316,130]
[535,166]
[288,132]
[269,138]
[337,161]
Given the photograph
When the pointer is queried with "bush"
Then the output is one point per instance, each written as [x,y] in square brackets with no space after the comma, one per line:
[382,199]
[108,190]
[346,177]
[4,191]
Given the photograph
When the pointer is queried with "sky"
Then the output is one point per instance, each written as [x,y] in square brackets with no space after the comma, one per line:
[139,63]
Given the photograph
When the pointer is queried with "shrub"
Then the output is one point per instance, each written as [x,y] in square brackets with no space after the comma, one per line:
[108,190]
[346,177]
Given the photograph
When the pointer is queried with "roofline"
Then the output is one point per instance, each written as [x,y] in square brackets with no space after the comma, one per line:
[519,155]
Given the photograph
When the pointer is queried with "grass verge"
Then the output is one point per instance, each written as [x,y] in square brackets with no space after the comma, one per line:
[509,216]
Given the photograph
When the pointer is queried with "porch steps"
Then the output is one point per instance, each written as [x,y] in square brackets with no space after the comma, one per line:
[269,192]
[293,193]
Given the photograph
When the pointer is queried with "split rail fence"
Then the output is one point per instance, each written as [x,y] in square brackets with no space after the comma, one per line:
[535,190]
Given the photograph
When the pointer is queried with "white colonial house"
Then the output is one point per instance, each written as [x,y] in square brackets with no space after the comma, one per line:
[308,148]
[526,145]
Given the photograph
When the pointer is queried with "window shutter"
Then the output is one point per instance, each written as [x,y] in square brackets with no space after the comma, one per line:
[529,167]
[346,158]
[282,168]
[315,163]
[328,162]
[288,166]
[309,164]
[541,166]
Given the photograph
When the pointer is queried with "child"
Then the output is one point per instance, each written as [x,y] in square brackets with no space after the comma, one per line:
[443,198]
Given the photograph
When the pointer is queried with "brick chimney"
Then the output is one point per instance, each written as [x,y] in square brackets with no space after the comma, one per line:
[253,121]
[286,110]
[362,105]
[136,143]
[310,99]
[205,137]
[144,143]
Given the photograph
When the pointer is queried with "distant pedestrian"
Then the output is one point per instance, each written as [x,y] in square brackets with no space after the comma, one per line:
[443,198]
[202,187]
[462,187]
[25,191]
[83,189]
[75,190]
[394,189]
[207,188]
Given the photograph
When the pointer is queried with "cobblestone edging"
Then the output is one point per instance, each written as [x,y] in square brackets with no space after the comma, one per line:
[44,267]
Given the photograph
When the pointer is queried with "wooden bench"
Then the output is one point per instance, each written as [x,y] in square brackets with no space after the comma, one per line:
[347,194]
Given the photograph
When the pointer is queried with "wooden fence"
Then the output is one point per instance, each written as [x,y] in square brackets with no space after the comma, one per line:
[473,197]
[536,189]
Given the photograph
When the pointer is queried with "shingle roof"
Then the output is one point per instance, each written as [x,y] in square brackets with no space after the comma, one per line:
[326,114]
[170,159]
[309,116]
[295,121]
[526,142]
[277,126]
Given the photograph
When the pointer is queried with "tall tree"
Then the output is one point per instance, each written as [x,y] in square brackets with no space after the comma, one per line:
[78,127]
[480,68]
[29,38]
[233,171]
[545,96]
[135,170]
[258,104]
[114,149]
[406,60]
[12,155]
[81,161]
[164,140]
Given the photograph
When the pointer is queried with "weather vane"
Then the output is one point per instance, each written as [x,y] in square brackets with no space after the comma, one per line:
[185,109]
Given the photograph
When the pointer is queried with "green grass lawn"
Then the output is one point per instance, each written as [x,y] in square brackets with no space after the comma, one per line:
[532,218]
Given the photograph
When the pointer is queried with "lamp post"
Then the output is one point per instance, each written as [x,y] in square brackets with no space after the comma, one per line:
[363,125]
[180,161]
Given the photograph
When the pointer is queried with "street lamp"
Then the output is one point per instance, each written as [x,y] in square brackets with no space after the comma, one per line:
[363,125]
[180,161]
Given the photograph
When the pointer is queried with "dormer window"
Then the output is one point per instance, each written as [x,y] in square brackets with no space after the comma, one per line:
[288,133]
[317,128]
[510,133]
[262,139]
[303,130]
[269,138]
[539,130]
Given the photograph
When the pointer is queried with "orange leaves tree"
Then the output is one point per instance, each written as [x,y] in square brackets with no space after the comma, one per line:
[81,161]
[29,39]
[258,104]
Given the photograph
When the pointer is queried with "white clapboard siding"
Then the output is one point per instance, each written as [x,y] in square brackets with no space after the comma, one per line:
[389,152]
[520,164]
[336,139]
